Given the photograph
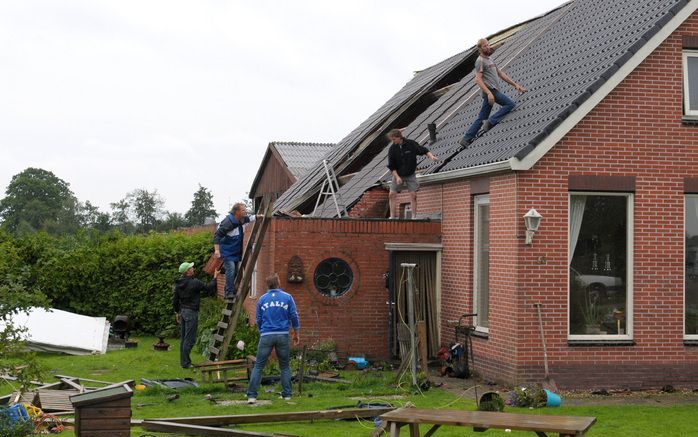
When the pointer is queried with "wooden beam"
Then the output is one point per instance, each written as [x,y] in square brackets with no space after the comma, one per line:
[206,431]
[299,416]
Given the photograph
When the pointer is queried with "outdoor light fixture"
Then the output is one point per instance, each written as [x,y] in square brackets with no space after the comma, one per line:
[532,220]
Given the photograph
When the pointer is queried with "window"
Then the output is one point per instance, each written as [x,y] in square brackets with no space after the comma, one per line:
[691,277]
[600,266]
[333,277]
[690,82]
[481,262]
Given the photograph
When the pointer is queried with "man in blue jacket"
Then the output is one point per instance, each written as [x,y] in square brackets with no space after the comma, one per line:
[276,313]
[227,243]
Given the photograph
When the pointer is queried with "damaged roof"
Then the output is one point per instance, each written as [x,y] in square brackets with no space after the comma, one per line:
[568,59]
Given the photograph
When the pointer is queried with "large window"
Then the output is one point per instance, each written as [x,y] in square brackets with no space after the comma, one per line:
[481,259]
[600,265]
[690,82]
[691,297]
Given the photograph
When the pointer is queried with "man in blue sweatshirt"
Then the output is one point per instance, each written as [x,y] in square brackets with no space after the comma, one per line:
[227,243]
[276,313]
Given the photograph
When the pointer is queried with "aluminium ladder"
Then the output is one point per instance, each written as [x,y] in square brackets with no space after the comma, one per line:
[330,187]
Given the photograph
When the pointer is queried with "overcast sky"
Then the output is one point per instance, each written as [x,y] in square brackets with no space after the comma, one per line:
[117,95]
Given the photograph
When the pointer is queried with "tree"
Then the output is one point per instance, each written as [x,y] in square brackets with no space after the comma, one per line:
[147,208]
[172,221]
[36,199]
[120,216]
[89,216]
[201,207]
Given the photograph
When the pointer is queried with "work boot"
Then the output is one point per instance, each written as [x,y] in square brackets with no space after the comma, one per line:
[486,126]
[465,142]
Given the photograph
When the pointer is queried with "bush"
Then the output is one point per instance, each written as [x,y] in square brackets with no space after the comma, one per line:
[111,274]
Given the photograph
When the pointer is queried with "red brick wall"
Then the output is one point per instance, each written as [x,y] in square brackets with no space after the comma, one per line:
[373,204]
[635,131]
[358,320]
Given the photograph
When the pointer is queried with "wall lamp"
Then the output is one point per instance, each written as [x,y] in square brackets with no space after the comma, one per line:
[532,220]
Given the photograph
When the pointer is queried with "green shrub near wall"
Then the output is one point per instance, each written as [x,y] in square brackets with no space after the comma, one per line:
[106,275]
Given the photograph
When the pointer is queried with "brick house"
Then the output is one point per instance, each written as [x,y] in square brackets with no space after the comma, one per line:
[604,145]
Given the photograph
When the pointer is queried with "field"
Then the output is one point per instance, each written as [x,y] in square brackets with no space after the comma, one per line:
[628,418]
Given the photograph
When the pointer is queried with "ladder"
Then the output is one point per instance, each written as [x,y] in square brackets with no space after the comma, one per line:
[243,278]
[330,187]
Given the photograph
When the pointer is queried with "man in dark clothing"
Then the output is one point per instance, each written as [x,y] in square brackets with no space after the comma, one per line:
[227,243]
[487,77]
[186,298]
[402,162]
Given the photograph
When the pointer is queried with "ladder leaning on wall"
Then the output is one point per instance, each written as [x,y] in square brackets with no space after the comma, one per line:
[243,279]
[330,188]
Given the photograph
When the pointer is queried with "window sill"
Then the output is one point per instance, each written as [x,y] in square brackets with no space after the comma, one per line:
[480,334]
[600,343]
[690,342]
[689,119]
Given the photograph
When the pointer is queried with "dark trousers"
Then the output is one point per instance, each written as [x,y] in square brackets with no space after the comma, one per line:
[189,323]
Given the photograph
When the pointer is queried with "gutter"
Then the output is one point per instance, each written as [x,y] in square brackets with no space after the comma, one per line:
[460,173]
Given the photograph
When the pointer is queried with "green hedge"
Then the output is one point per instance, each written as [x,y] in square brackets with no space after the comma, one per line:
[106,275]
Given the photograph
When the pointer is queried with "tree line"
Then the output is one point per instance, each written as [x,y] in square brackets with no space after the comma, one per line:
[38,200]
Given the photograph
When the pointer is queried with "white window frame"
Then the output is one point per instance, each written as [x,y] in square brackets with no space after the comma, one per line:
[477,202]
[683,300]
[686,95]
[629,273]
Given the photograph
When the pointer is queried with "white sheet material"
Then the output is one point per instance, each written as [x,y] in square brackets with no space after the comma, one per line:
[60,331]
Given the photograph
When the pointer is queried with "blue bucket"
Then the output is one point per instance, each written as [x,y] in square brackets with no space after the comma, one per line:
[552,399]
[361,362]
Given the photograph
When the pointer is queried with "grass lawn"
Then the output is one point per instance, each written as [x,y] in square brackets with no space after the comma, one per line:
[625,420]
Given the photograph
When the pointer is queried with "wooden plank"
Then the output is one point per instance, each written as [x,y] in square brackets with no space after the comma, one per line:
[206,431]
[116,403]
[98,412]
[105,423]
[105,433]
[486,419]
[432,430]
[74,384]
[423,354]
[222,325]
[84,379]
[226,312]
[218,337]
[299,416]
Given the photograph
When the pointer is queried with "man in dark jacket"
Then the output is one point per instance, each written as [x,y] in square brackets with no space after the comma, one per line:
[402,162]
[227,243]
[186,298]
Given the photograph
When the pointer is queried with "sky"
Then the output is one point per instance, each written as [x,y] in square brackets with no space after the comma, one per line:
[165,95]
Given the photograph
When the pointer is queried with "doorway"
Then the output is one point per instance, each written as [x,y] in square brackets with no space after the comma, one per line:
[427,283]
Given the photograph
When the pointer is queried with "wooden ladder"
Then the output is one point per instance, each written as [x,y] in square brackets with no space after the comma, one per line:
[243,279]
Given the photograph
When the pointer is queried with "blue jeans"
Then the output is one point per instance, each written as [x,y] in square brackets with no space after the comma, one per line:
[283,351]
[506,106]
[231,268]
[189,321]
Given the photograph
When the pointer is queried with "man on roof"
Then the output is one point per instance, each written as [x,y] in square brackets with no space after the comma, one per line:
[487,77]
[402,162]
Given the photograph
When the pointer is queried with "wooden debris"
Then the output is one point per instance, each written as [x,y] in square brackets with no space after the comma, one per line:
[206,431]
[299,416]
[55,400]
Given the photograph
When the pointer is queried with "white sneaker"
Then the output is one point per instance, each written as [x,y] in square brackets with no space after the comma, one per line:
[286,398]
[251,400]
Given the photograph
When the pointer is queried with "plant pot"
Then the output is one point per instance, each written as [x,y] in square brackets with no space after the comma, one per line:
[592,329]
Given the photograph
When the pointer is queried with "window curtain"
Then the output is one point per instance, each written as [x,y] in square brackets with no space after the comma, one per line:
[424,293]
[577,204]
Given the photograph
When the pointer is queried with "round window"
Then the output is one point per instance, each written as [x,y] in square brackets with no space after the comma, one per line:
[333,277]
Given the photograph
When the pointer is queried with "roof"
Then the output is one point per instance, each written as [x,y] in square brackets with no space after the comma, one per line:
[297,157]
[300,157]
[569,59]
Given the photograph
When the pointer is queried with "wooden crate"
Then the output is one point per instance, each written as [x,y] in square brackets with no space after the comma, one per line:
[102,413]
